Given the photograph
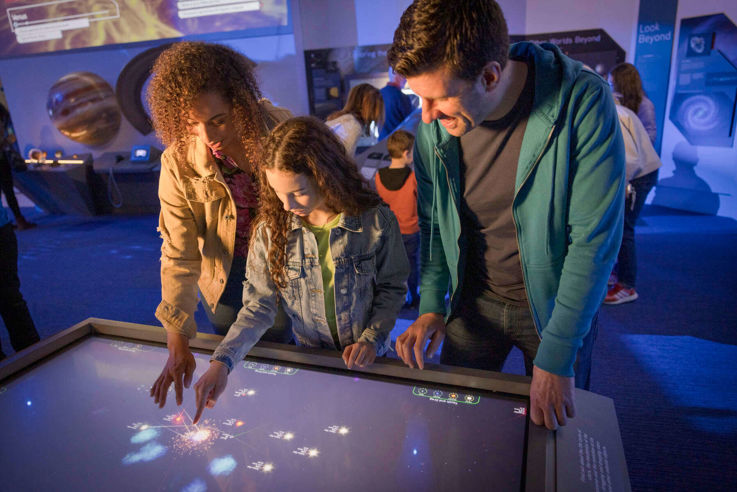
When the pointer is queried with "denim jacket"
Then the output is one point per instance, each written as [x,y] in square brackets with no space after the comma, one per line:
[371,269]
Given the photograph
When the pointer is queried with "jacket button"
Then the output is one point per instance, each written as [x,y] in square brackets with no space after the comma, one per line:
[343,290]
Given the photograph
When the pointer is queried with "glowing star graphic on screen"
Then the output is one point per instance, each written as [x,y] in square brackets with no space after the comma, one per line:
[222,466]
[196,439]
[261,466]
[337,429]
[309,452]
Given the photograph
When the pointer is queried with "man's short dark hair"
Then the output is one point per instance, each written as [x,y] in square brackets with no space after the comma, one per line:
[399,142]
[463,35]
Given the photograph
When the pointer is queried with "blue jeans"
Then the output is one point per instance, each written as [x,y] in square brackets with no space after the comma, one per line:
[483,330]
[627,259]
[232,301]
[412,247]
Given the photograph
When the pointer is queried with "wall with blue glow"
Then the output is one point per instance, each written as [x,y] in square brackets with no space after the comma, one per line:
[697,175]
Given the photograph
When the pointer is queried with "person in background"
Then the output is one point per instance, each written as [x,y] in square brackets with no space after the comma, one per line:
[8,157]
[397,104]
[520,181]
[625,82]
[642,164]
[13,308]
[397,186]
[362,114]
[325,247]
[207,109]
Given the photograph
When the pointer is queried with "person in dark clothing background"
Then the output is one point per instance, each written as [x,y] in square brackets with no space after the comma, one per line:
[397,104]
[13,308]
[8,155]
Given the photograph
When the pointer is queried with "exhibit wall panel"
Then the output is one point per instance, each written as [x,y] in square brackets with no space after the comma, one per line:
[700,175]
[27,81]
[617,19]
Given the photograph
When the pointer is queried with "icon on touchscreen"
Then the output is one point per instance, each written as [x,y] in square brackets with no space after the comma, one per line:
[520,411]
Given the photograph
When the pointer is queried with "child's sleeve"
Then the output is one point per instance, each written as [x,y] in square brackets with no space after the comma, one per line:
[392,270]
[259,305]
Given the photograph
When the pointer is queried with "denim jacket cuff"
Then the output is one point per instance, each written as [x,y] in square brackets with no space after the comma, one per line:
[224,359]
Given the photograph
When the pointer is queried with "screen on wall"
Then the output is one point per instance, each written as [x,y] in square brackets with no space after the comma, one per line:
[42,26]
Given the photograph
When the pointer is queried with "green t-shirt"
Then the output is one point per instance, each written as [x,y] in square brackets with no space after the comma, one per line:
[322,235]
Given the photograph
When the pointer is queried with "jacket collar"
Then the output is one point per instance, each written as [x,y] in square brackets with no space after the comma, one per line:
[348,222]
[201,159]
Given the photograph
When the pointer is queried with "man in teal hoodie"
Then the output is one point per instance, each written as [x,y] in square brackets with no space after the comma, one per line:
[520,173]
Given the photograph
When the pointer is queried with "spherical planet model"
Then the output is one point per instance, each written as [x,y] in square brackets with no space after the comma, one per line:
[83,107]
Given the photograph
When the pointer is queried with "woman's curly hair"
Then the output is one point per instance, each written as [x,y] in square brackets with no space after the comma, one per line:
[305,145]
[188,69]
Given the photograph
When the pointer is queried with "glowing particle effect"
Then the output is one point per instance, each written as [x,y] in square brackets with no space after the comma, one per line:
[28,403]
[196,485]
[313,453]
[250,392]
[222,466]
[268,467]
[239,423]
[149,452]
[288,436]
[197,439]
[199,435]
[343,431]
[145,435]
[414,452]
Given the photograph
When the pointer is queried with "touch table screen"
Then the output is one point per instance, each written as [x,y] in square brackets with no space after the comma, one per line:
[83,420]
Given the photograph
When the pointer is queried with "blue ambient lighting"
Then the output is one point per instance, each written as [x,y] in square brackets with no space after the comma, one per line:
[149,452]
[145,435]
[196,485]
[222,466]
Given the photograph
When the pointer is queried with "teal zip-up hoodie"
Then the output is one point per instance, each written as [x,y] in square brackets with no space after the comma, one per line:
[568,204]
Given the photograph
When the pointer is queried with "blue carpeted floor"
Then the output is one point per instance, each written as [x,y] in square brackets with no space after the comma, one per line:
[668,360]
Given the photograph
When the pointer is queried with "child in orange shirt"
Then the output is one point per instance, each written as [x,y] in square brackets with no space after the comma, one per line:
[397,186]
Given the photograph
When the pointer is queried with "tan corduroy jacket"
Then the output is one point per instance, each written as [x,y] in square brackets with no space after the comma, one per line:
[197,224]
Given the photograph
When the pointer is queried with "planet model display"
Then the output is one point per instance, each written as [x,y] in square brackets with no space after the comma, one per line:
[83,107]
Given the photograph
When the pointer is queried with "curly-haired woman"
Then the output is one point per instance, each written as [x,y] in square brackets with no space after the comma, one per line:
[326,247]
[363,107]
[207,109]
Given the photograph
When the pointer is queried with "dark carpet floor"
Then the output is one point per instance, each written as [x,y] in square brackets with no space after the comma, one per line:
[668,360]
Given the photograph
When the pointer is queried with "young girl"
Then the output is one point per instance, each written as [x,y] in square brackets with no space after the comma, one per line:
[325,247]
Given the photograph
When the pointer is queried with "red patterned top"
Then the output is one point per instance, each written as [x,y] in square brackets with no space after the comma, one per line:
[245,195]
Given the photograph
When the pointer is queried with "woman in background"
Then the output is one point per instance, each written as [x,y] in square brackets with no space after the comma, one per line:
[624,79]
[362,116]
[642,164]
[208,111]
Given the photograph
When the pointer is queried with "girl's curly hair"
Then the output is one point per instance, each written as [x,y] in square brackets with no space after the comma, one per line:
[188,69]
[305,145]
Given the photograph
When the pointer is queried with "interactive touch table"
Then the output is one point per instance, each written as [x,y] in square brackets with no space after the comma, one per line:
[76,415]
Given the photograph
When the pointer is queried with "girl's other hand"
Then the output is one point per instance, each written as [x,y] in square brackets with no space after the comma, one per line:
[360,354]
